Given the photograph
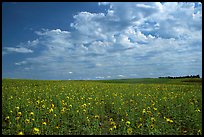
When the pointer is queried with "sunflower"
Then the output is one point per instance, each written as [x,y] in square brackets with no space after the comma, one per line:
[129,131]
[36,131]
[19,114]
[27,121]
[127,123]
[20,133]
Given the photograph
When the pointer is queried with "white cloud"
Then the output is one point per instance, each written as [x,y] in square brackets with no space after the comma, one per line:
[21,63]
[99,77]
[17,49]
[103,3]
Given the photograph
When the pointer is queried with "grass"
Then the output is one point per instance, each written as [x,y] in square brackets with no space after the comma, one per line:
[108,107]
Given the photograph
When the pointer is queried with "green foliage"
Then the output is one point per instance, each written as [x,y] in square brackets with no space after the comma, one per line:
[161,107]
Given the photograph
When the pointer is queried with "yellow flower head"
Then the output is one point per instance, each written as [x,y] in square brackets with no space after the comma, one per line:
[52,105]
[36,131]
[44,123]
[129,131]
[84,105]
[169,120]
[96,116]
[128,123]
[51,110]
[153,119]
[112,123]
[27,121]
[31,113]
[114,127]
[38,101]
[17,118]
[151,126]
[84,110]
[111,119]
[63,109]
[20,133]
[43,106]
[19,114]
[155,109]
[110,129]
[139,126]
[143,111]
[7,118]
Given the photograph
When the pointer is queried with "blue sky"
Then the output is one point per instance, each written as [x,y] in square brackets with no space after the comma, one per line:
[91,40]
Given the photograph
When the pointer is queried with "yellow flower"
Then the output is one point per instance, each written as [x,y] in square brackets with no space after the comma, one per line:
[44,123]
[43,106]
[27,121]
[7,118]
[169,120]
[36,131]
[155,109]
[84,110]
[20,133]
[111,119]
[96,116]
[152,126]
[139,126]
[129,131]
[143,111]
[110,129]
[52,105]
[51,110]
[19,114]
[17,118]
[197,110]
[38,101]
[128,123]
[112,123]
[114,127]
[63,109]
[84,105]
[199,132]
[31,113]
[153,120]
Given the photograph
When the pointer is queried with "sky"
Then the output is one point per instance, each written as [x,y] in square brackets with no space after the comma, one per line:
[101,40]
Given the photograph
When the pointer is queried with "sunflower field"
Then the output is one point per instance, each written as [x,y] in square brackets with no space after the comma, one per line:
[60,107]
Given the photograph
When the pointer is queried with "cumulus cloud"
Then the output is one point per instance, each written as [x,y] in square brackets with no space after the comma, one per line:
[130,39]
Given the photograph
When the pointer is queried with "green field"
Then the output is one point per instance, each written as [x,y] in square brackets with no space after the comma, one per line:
[121,107]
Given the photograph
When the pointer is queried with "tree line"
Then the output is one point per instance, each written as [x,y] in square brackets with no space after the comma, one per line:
[190,76]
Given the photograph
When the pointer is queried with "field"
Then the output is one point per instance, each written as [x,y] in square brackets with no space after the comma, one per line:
[121,107]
